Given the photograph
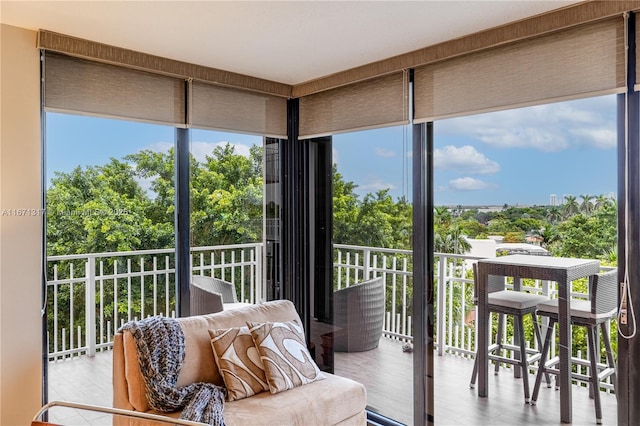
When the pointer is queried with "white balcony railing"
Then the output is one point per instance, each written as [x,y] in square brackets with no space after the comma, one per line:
[91,295]
[124,286]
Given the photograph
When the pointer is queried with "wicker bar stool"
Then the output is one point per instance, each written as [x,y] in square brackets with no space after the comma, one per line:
[601,307]
[518,304]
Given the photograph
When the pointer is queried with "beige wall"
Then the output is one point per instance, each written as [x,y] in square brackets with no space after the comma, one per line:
[20,236]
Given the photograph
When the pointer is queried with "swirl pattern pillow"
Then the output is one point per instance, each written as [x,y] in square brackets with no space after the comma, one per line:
[239,362]
[287,361]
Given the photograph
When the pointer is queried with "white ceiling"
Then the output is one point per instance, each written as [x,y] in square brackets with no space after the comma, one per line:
[289,42]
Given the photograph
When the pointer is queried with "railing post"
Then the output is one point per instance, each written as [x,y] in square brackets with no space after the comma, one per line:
[90,306]
[366,274]
[259,283]
[440,324]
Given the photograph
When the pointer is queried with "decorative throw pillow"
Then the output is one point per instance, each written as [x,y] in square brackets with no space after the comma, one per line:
[239,362]
[287,361]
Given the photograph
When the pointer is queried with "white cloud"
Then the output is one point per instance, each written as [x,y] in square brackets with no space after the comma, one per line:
[542,139]
[468,184]
[599,138]
[465,158]
[158,147]
[384,153]
[548,128]
[373,184]
[201,149]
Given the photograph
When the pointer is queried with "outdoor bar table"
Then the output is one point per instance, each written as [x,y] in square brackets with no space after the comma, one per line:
[558,269]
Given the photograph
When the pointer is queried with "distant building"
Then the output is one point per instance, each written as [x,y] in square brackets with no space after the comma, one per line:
[490,209]
[553,200]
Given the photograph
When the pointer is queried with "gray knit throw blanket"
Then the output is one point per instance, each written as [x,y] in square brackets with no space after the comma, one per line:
[161,350]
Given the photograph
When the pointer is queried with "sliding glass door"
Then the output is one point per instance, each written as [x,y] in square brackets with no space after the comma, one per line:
[370,338]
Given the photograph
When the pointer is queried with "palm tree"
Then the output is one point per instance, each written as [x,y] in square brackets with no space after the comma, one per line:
[554,214]
[450,240]
[442,216]
[602,201]
[548,235]
[570,206]
[587,205]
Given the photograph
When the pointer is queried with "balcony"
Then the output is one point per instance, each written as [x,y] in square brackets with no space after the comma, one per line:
[139,283]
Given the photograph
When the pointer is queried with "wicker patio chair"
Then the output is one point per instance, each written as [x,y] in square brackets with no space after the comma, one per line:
[359,316]
[205,295]
[225,288]
[602,306]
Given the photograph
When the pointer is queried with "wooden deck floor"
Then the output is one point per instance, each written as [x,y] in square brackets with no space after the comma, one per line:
[387,374]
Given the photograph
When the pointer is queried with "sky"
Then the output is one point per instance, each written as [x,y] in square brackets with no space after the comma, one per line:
[515,157]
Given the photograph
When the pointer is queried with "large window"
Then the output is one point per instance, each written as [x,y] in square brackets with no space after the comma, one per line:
[540,180]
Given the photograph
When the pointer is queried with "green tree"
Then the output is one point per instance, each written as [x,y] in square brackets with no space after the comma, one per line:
[226,198]
[157,168]
[225,193]
[448,235]
[589,237]
[469,214]
[97,209]
[549,236]
[373,226]
[442,216]
[554,214]
[451,240]
[376,221]
[101,209]
[602,201]
[472,228]
[501,226]
[345,208]
[587,205]
[528,224]
[570,206]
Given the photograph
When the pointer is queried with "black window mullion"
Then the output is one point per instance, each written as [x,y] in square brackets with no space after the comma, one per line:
[182,222]
[628,375]
[295,217]
[423,285]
